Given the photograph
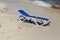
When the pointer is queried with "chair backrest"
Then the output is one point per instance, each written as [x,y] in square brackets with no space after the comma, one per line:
[23,13]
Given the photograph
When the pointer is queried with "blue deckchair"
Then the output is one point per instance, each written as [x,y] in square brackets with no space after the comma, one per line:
[27,15]
[24,14]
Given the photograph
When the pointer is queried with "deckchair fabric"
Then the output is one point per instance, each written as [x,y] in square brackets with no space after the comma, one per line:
[23,13]
[39,18]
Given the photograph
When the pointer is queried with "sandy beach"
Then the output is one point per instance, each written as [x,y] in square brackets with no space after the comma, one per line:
[12,29]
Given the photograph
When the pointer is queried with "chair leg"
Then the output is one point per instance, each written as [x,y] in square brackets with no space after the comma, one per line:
[19,20]
[24,20]
[45,23]
[35,22]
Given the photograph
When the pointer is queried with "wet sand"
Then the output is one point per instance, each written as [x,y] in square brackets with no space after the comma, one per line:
[12,29]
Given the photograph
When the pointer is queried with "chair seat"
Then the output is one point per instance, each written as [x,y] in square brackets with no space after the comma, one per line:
[40,18]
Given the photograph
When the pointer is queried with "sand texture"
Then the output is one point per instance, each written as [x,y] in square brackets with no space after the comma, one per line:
[12,29]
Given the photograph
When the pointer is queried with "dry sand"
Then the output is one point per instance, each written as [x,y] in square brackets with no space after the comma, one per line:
[11,29]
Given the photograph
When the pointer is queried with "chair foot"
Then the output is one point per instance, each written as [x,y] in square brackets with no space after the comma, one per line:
[19,20]
[46,23]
